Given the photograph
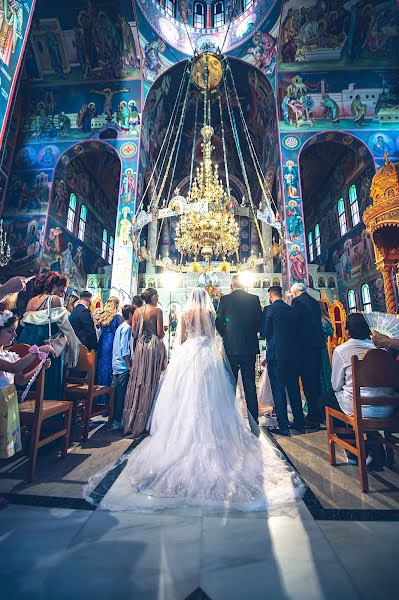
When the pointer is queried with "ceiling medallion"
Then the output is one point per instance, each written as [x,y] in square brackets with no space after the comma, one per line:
[207,71]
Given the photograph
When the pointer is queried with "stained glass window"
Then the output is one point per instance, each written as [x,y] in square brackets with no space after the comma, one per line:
[71,212]
[199,15]
[218,13]
[82,222]
[352,301]
[354,205]
[170,7]
[111,250]
[366,299]
[342,216]
[104,244]
[318,241]
[310,246]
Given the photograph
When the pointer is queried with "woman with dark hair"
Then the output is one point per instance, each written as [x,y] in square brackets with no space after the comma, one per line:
[13,369]
[148,362]
[44,314]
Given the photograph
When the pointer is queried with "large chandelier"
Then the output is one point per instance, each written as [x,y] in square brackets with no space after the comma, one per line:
[211,229]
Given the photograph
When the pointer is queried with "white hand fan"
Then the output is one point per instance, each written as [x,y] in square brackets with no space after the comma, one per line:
[383,323]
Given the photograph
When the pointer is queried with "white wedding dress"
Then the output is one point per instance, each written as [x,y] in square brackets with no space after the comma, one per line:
[200,451]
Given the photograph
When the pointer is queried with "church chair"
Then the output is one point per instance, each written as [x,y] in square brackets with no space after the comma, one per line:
[35,411]
[377,369]
[82,390]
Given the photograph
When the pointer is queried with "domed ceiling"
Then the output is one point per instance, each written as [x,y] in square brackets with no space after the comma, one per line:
[238,25]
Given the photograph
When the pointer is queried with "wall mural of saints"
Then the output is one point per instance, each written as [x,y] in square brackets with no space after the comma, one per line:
[338,33]
[95,43]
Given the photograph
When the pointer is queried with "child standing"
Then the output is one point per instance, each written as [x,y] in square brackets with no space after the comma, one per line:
[121,363]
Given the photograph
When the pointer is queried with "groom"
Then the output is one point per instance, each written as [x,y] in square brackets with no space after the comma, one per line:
[238,321]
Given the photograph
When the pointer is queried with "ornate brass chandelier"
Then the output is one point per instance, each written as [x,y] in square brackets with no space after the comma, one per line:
[211,230]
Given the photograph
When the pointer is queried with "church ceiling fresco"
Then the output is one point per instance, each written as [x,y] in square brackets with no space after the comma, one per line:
[182,36]
[316,34]
[15,19]
[83,40]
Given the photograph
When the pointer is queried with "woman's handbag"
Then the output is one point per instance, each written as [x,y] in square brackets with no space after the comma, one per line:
[58,341]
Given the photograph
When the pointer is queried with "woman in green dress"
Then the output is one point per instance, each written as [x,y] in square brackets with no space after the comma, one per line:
[328,331]
[47,302]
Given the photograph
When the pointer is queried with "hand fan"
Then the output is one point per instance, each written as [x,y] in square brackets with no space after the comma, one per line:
[383,323]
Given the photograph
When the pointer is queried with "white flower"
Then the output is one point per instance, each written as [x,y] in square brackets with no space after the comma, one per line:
[4,317]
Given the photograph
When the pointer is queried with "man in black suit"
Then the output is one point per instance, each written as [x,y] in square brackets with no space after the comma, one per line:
[82,321]
[279,327]
[238,322]
[311,339]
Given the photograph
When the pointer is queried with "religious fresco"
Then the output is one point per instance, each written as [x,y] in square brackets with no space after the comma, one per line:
[15,19]
[184,38]
[25,237]
[97,41]
[338,33]
[86,111]
[324,100]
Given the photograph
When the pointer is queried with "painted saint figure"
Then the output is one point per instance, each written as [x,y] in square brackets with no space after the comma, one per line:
[108,95]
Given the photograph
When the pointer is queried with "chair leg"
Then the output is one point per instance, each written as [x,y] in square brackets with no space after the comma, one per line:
[111,407]
[360,444]
[389,452]
[33,451]
[68,422]
[331,443]
[88,404]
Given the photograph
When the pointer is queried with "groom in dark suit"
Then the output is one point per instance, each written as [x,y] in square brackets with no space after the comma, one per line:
[279,326]
[238,322]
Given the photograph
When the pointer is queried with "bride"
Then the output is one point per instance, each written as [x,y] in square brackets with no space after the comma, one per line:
[200,451]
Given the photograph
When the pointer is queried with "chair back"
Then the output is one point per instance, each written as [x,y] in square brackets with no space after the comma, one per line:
[22,350]
[86,364]
[377,369]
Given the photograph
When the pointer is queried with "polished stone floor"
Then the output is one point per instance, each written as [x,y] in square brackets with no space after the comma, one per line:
[57,554]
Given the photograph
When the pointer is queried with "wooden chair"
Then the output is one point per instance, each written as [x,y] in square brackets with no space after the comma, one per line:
[83,390]
[34,411]
[377,369]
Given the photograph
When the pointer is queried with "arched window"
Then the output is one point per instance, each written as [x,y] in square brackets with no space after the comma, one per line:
[111,250]
[82,222]
[247,4]
[71,212]
[104,244]
[170,7]
[352,301]
[342,216]
[366,299]
[199,15]
[310,246]
[354,205]
[218,13]
[318,241]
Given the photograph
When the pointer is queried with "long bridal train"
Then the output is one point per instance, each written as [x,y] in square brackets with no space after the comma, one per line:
[200,451]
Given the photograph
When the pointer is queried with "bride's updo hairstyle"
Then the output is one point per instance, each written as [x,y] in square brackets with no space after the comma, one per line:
[148,294]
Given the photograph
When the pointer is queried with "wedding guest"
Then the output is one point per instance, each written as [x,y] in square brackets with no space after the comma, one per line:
[328,331]
[122,363]
[82,321]
[383,341]
[279,327]
[45,313]
[309,331]
[148,362]
[12,369]
[340,398]
[12,286]
[238,320]
[71,302]
[109,321]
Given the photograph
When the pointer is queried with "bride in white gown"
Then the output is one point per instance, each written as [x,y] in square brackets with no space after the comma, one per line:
[200,451]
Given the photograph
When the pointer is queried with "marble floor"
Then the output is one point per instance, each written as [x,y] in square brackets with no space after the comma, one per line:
[57,554]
